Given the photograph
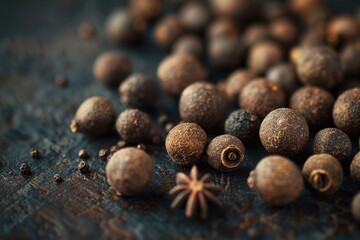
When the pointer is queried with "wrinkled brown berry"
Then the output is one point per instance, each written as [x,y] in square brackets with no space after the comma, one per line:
[263,55]
[111,68]
[323,174]
[319,66]
[284,131]
[242,10]
[277,180]
[284,74]
[202,103]
[342,29]
[179,70]
[244,125]
[138,91]
[124,27]
[83,167]
[129,171]
[186,144]
[350,60]
[256,32]
[95,116]
[355,168]
[148,9]
[261,97]
[25,169]
[226,53]
[314,104]
[189,44]
[167,30]
[225,153]
[223,28]
[194,16]
[236,82]
[346,112]
[134,126]
[355,207]
[334,142]
[284,30]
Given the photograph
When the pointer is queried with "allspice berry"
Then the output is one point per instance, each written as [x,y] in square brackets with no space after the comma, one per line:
[285,132]
[346,112]
[223,28]
[319,66]
[129,171]
[95,116]
[225,153]
[355,207]
[138,91]
[284,30]
[263,55]
[124,27]
[323,174]
[350,60]
[148,10]
[244,125]
[134,126]
[314,104]
[226,53]
[342,29]
[256,32]
[241,10]
[236,82]
[167,30]
[277,180]
[111,68]
[179,70]
[189,44]
[261,97]
[334,142]
[284,74]
[202,103]
[194,16]
[355,168]
[186,144]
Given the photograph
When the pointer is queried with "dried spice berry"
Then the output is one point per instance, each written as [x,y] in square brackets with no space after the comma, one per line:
[314,104]
[95,116]
[60,81]
[25,169]
[83,167]
[226,53]
[244,125]
[186,144]
[277,180]
[167,30]
[189,44]
[82,153]
[223,28]
[284,30]
[148,10]
[284,131]
[57,178]
[355,207]
[195,192]
[334,142]
[273,10]
[241,10]
[225,153]
[179,70]
[134,126]
[129,171]
[350,60]
[342,29]
[138,91]
[236,82]
[305,6]
[323,174]
[261,97]
[355,168]
[104,153]
[254,33]
[111,68]
[319,66]
[34,152]
[202,103]
[86,30]
[314,36]
[194,16]
[124,27]
[263,55]
[284,74]
[346,112]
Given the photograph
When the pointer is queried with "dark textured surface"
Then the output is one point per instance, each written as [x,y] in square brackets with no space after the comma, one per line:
[38,41]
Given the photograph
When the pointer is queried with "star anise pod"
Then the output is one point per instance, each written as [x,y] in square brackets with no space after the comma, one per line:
[196,192]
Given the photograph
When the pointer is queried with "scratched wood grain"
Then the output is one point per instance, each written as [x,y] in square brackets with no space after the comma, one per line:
[38,40]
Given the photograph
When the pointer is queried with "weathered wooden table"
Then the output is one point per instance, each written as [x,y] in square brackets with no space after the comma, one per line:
[38,41]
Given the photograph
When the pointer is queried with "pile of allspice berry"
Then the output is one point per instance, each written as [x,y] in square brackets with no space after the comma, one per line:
[293,72]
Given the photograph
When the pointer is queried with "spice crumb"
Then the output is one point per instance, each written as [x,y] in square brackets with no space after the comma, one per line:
[34,152]
[103,153]
[82,153]
[57,177]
